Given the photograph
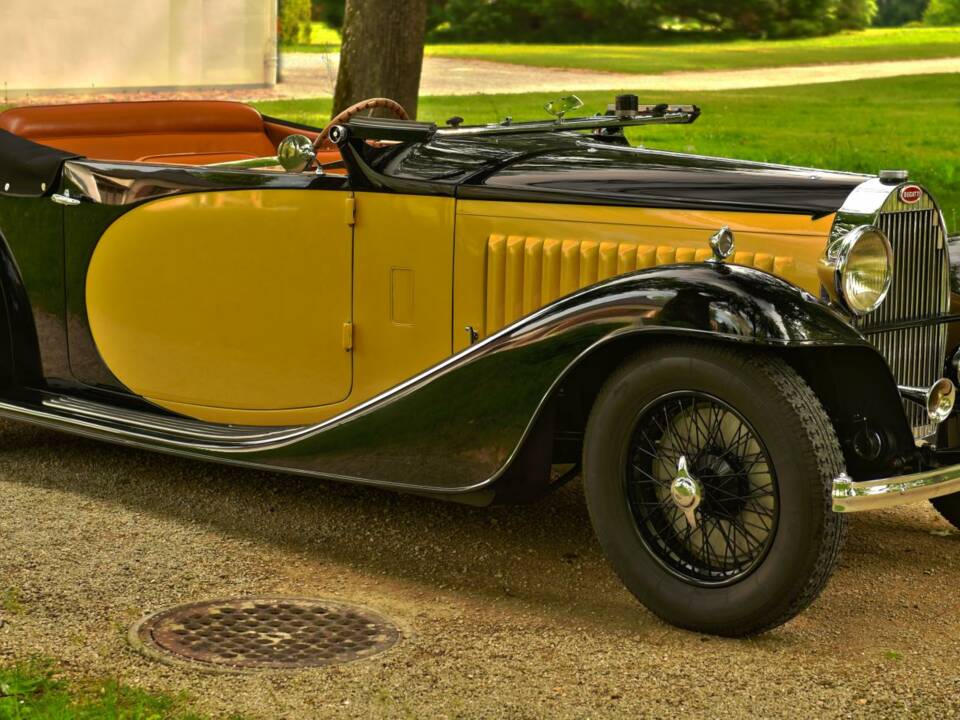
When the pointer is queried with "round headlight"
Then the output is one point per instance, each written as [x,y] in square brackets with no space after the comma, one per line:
[864,269]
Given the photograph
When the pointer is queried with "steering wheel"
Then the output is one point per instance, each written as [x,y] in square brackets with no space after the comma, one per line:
[323,142]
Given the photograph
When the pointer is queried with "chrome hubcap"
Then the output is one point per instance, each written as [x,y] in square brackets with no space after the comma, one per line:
[686,492]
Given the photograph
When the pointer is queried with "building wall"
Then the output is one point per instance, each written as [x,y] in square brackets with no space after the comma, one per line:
[131,44]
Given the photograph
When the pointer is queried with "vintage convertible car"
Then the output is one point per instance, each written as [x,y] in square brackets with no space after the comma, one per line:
[734,354]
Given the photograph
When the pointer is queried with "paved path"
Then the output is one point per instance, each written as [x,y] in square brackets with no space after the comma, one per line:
[309,75]
[315,74]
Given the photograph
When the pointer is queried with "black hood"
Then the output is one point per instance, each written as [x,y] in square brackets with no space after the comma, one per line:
[571,168]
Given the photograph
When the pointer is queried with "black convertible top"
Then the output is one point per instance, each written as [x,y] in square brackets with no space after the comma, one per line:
[26,168]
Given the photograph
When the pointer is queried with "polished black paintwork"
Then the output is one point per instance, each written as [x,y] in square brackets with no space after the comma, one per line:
[458,427]
[32,285]
[462,426]
[122,183]
[575,168]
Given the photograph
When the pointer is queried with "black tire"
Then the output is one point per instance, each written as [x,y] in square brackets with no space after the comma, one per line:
[804,541]
[949,507]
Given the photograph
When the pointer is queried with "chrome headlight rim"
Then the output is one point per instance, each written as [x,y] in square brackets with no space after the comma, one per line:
[847,244]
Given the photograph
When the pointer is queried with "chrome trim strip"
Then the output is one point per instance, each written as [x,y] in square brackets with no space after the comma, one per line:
[100,432]
[440,431]
[851,496]
[177,426]
[208,437]
[122,183]
[239,441]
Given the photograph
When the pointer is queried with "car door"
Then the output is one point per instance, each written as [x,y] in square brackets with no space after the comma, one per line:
[227,306]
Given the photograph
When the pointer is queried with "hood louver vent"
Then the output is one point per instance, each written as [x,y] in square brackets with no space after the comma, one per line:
[526,273]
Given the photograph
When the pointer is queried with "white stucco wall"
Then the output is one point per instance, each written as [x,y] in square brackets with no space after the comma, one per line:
[84,44]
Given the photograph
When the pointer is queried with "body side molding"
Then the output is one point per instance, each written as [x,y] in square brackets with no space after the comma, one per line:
[446,432]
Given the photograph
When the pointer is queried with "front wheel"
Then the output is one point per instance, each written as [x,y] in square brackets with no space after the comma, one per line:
[707,472]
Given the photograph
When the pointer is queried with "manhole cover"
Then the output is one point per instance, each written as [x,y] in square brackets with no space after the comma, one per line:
[265,632]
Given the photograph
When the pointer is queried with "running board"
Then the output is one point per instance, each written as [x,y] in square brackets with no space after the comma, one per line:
[179,427]
[143,428]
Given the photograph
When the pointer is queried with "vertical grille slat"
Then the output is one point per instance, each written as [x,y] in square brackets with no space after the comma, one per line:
[919,291]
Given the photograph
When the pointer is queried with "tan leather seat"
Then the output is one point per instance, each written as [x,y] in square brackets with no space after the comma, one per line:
[194,131]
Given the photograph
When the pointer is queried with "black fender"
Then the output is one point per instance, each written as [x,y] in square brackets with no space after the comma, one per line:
[482,425]
[462,425]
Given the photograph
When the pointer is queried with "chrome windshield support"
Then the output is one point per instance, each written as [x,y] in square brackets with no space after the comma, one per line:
[645,115]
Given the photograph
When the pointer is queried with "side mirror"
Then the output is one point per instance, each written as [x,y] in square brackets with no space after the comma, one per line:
[295,153]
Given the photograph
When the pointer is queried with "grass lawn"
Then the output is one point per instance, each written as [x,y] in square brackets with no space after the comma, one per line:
[862,126]
[29,691]
[868,46]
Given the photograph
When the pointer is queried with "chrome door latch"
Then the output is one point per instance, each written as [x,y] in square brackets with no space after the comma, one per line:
[65,199]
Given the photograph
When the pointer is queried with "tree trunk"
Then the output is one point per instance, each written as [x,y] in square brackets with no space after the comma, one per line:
[382,52]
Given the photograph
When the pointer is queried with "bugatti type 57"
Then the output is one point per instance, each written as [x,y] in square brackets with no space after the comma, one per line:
[733,355]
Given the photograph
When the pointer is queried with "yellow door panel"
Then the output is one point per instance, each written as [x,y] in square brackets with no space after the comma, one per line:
[228,306]
[512,258]
[403,279]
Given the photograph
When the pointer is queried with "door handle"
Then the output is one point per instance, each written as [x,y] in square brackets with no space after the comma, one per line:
[65,199]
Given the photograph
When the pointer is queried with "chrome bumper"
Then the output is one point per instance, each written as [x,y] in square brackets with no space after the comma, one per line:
[850,496]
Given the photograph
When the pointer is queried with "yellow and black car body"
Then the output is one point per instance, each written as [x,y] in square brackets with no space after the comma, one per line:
[456,311]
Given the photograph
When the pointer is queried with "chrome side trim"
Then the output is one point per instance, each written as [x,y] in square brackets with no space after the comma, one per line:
[45,417]
[123,183]
[194,430]
[458,426]
[851,496]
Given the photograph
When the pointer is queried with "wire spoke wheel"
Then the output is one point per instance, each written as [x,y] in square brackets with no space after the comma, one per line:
[702,488]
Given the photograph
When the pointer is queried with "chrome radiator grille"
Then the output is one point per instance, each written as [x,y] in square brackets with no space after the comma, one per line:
[919,291]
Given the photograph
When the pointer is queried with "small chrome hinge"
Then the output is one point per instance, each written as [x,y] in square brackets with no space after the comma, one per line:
[350,211]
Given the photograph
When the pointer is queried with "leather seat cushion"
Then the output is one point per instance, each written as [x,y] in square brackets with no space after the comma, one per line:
[198,158]
[133,130]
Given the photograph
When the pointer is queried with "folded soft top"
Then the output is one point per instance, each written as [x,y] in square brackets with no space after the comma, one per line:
[26,168]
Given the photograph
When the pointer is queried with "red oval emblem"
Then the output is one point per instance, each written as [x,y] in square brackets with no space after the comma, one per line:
[910,194]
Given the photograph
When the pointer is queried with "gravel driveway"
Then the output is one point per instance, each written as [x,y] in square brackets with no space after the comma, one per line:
[315,74]
[309,75]
[508,612]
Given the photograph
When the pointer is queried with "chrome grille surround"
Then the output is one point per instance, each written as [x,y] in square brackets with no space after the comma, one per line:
[914,348]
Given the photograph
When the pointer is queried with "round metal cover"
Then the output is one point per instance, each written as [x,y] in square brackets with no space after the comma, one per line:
[264,633]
